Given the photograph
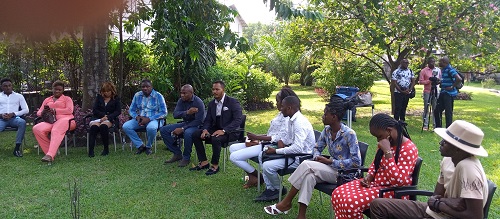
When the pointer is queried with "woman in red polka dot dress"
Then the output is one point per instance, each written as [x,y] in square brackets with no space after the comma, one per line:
[393,166]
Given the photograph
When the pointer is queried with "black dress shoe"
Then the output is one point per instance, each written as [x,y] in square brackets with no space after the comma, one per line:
[149,151]
[104,153]
[140,149]
[18,154]
[198,167]
[212,171]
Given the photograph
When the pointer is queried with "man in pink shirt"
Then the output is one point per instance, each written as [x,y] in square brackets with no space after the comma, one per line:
[425,78]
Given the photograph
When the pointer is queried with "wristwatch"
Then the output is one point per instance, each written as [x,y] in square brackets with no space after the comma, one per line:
[223,130]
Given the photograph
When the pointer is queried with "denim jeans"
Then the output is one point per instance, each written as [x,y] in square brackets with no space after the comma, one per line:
[15,122]
[130,126]
[166,135]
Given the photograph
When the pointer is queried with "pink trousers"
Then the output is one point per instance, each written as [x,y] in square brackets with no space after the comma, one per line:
[57,132]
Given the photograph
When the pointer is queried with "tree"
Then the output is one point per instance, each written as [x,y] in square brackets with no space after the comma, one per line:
[186,34]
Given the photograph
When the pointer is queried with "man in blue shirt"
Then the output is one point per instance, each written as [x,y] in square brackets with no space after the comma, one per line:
[146,108]
[191,110]
[449,80]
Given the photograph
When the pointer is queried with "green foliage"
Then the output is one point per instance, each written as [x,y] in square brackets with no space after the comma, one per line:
[488,83]
[250,85]
[340,70]
[186,34]
[384,32]
[295,78]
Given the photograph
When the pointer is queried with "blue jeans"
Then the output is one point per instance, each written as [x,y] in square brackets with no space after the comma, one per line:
[15,122]
[166,135]
[130,126]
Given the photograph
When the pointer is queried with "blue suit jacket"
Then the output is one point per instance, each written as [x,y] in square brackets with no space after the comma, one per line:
[231,115]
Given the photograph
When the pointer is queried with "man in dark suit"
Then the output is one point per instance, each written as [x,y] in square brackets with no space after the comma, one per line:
[224,115]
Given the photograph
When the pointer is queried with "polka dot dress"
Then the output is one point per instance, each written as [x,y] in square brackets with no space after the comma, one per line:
[351,199]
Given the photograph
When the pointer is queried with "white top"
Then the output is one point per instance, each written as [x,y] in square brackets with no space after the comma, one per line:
[300,136]
[278,128]
[11,103]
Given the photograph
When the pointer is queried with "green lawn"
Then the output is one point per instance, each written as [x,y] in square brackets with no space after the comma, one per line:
[123,185]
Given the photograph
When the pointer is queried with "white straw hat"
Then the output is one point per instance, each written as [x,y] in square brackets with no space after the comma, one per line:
[464,135]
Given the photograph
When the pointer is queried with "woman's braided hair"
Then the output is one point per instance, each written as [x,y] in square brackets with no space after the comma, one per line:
[383,121]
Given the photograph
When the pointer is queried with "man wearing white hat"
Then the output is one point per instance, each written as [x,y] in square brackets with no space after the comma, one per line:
[462,188]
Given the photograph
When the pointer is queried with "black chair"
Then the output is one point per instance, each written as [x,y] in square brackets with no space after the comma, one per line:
[143,130]
[68,132]
[328,188]
[413,193]
[288,170]
[241,138]
[115,128]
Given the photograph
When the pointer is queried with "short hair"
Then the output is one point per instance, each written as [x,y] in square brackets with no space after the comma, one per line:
[188,87]
[222,84]
[147,81]
[58,83]
[108,86]
[285,92]
[293,101]
[4,80]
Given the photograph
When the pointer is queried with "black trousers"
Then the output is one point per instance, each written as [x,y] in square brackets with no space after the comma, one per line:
[400,105]
[444,102]
[217,143]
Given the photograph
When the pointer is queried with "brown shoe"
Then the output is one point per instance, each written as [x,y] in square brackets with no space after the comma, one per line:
[184,163]
[173,159]
[47,158]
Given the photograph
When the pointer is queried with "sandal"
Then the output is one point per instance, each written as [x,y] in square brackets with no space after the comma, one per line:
[273,210]
[249,185]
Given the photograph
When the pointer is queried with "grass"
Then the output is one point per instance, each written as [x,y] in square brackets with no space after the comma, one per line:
[123,185]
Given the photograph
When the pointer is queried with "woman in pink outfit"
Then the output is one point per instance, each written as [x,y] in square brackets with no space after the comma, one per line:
[62,106]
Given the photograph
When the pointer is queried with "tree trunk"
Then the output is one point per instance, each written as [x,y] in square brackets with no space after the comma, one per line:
[95,61]
[120,71]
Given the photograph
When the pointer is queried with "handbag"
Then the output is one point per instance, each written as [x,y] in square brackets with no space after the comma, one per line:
[49,117]
[345,176]
[364,98]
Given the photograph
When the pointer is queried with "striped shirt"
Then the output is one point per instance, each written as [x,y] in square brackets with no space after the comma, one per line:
[447,79]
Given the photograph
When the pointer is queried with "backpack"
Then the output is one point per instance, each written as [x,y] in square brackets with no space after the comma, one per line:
[461,82]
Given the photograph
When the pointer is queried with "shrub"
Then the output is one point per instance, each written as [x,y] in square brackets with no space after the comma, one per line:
[295,78]
[344,71]
[464,96]
[488,83]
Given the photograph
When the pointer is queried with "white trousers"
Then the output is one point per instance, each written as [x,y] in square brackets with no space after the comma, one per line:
[307,175]
[270,171]
[241,153]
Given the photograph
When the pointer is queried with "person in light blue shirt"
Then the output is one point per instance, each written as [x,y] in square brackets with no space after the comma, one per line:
[449,80]
[146,108]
